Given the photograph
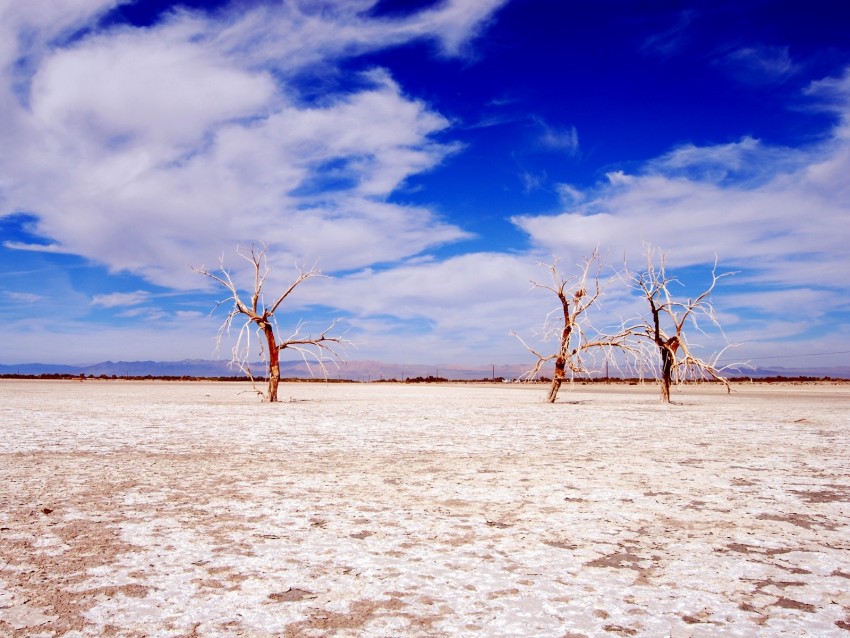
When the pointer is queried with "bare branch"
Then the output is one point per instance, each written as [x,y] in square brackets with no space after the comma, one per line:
[303,275]
[576,337]
[319,349]
[664,326]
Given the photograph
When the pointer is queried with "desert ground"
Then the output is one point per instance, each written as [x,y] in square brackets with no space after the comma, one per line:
[378,510]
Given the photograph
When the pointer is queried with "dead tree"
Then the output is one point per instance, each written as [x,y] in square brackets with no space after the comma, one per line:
[570,325]
[664,328]
[260,317]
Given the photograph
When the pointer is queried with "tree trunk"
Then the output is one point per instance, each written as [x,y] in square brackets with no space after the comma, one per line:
[274,362]
[668,358]
[557,379]
[666,374]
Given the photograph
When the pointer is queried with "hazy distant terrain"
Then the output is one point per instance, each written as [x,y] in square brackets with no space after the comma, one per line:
[192,509]
[353,370]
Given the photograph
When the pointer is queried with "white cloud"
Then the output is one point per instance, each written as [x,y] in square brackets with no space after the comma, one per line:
[532,181]
[295,35]
[453,310]
[778,215]
[833,94]
[23,297]
[565,139]
[456,21]
[745,163]
[132,90]
[790,229]
[118,299]
[150,149]
[760,64]
[467,302]
[570,195]
[55,249]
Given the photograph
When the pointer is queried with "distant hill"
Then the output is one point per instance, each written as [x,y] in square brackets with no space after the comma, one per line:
[189,367]
[353,370]
[835,372]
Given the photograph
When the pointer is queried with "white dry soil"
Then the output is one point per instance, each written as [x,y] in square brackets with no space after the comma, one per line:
[194,510]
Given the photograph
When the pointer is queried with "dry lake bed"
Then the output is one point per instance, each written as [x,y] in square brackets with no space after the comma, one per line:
[194,510]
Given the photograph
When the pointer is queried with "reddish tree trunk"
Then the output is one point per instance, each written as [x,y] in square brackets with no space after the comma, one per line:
[561,361]
[557,379]
[274,362]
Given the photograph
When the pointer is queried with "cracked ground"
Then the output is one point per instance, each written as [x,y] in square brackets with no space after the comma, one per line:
[192,510]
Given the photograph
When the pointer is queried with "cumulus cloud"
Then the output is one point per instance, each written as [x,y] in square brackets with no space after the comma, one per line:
[469,303]
[777,215]
[696,202]
[149,149]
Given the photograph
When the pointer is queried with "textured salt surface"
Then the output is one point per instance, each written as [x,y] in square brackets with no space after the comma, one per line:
[190,509]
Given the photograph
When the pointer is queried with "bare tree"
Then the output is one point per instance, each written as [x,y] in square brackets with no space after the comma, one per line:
[664,328]
[570,325]
[260,317]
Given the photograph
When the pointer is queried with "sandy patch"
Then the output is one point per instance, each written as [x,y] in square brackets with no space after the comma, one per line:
[189,509]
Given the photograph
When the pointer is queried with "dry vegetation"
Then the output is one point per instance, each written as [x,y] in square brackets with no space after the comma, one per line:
[190,509]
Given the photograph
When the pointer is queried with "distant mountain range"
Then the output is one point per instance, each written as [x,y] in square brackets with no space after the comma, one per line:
[834,372]
[352,370]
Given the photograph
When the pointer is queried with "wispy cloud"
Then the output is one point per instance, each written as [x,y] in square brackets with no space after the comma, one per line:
[119,299]
[563,139]
[23,297]
[744,163]
[833,95]
[570,195]
[55,249]
[532,181]
[666,43]
[760,64]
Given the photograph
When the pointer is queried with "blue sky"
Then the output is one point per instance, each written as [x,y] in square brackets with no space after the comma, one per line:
[427,155]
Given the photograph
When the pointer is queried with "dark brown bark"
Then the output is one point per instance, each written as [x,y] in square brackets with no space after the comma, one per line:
[668,355]
[666,374]
[668,358]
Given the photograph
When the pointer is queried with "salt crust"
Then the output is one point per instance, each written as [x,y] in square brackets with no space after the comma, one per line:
[154,509]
